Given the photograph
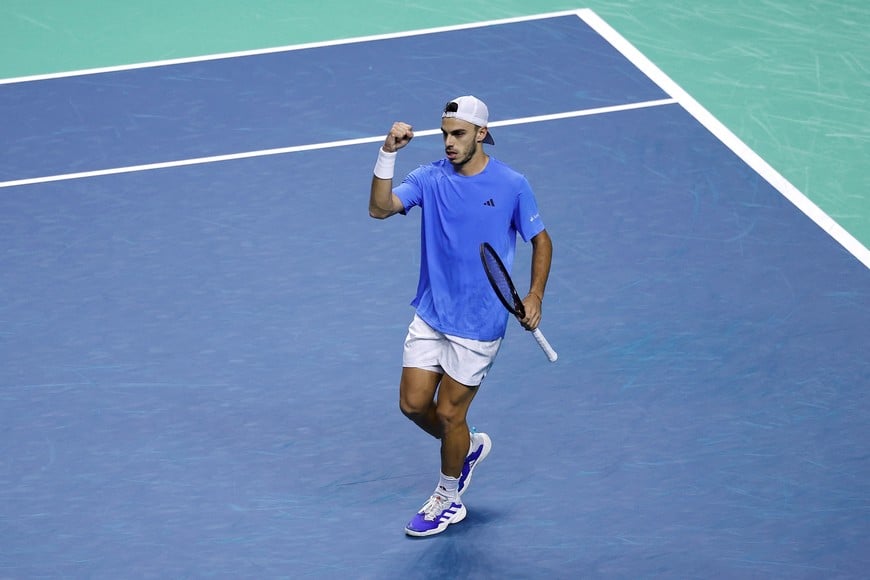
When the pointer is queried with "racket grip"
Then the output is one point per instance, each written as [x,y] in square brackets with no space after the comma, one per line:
[545,346]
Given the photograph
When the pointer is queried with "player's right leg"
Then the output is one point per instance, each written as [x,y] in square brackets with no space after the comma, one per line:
[426,357]
[417,398]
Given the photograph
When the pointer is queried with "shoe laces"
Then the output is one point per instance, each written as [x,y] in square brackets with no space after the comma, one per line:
[435,506]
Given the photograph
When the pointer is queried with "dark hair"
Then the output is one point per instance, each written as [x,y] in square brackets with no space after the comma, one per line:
[451,107]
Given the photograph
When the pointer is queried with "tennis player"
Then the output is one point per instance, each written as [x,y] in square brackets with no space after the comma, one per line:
[466,198]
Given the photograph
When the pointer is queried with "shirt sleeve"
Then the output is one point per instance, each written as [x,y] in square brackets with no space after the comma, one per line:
[527,219]
[410,191]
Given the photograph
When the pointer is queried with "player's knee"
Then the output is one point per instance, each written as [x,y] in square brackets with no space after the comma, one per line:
[412,409]
[450,416]
[407,410]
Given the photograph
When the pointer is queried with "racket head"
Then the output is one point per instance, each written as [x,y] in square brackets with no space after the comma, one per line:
[500,280]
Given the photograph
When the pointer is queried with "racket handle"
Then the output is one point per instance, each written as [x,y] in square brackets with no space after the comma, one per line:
[545,346]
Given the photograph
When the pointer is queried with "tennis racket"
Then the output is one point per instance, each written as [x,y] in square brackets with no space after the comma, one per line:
[507,293]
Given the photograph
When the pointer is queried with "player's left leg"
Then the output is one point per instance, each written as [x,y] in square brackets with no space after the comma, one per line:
[417,398]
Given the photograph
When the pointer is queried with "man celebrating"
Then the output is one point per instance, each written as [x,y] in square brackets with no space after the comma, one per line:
[466,198]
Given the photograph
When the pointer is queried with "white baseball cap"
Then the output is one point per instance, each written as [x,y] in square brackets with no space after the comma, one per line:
[469,109]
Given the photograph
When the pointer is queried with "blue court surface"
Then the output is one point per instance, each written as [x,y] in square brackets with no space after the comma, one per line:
[201,327]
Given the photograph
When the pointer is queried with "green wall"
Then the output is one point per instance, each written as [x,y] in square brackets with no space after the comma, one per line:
[790,78]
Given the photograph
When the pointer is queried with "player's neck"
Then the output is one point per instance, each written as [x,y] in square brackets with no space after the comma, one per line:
[474,165]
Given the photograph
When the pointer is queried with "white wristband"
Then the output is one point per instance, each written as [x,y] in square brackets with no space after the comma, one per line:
[386,164]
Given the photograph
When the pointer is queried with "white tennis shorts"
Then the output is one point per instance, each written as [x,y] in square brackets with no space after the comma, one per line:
[464,359]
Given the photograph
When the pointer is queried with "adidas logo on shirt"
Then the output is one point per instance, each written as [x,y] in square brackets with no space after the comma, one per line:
[489,202]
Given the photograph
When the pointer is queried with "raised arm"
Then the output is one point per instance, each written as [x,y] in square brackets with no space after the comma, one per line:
[383,203]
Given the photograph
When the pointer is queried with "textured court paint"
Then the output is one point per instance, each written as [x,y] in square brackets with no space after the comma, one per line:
[174,406]
[790,79]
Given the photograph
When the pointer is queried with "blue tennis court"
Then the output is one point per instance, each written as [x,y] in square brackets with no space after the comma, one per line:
[201,327]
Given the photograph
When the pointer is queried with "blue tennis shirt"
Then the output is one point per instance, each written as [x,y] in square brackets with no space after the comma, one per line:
[459,213]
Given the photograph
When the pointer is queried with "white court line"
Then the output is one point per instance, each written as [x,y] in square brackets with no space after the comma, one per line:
[703,116]
[288,48]
[315,146]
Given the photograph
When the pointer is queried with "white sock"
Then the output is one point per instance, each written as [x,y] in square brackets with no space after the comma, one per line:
[448,487]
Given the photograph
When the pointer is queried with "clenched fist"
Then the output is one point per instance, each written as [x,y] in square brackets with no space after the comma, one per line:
[400,135]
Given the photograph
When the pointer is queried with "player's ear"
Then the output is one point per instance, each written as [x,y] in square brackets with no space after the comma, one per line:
[481,134]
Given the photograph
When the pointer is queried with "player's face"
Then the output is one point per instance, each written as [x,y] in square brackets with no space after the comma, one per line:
[460,140]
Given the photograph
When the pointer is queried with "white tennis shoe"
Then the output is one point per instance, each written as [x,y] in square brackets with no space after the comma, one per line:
[436,514]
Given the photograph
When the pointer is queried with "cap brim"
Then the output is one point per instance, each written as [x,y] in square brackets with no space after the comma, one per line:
[488,138]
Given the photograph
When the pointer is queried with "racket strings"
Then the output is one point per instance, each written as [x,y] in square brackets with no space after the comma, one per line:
[499,277]
[501,281]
